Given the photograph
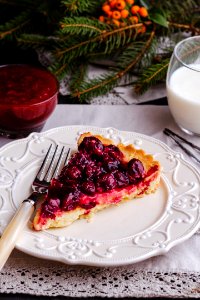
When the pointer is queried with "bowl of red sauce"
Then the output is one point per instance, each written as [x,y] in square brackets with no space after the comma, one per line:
[28,96]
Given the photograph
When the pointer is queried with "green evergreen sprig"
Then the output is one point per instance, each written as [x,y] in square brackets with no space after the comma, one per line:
[77,78]
[92,88]
[152,75]
[176,10]
[99,86]
[14,26]
[71,32]
[106,40]
[72,49]
[82,26]
[37,41]
[78,7]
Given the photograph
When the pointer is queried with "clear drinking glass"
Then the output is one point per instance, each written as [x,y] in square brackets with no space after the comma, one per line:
[183,85]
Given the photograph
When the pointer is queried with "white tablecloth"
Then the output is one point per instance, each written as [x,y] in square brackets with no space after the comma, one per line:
[175,274]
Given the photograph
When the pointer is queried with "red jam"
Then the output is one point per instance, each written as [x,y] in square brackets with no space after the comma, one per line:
[96,174]
[28,96]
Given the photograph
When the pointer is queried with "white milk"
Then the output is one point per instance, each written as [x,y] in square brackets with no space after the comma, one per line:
[183,91]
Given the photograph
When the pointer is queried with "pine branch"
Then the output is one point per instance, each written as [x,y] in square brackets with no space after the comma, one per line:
[77,78]
[50,13]
[95,87]
[60,69]
[127,56]
[36,41]
[78,7]
[104,84]
[151,76]
[82,26]
[70,29]
[149,55]
[176,10]
[109,40]
[139,56]
[14,26]
[187,27]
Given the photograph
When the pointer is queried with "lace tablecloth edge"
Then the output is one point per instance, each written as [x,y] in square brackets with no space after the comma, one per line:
[118,282]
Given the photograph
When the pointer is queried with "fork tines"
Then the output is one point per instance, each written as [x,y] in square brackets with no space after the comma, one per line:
[54,160]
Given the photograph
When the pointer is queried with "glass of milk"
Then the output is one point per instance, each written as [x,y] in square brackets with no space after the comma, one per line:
[183,85]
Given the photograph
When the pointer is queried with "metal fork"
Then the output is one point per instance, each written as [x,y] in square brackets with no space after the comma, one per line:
[49,169]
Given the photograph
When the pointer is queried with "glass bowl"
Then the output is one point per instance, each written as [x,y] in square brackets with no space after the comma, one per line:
[28,96]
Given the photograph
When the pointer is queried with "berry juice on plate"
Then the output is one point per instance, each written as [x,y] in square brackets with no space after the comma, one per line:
[28,96]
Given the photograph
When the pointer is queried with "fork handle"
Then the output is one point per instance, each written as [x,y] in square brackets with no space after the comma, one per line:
[14,229]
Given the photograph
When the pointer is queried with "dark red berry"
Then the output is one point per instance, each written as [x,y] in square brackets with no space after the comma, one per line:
[99,170]
[89,205]
[93,170]
[91,145]
[135,170]
[121,178]
[79,159]
[88,188]
[56,183]
[99,189]
[89,172]
[70,186]
[54,203]
[107,181]
[55,188]
[69,202]
[63,174]
[73,172]
[47,212]
[50,206]
[110,163]
[114,152]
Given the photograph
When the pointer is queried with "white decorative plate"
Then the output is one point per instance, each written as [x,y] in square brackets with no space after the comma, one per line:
[124,234]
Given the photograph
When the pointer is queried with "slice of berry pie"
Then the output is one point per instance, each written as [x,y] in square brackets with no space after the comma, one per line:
[98,175]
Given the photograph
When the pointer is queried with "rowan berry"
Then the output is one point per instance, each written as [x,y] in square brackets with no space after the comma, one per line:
[109,14]
[116,15]
[135,9]
[116,22]
[120,4]
[106,8]
[142,29]
[130,2]
[134,19]
[143,12]
[101,18]
[113,3]
[122,24]
[124,13]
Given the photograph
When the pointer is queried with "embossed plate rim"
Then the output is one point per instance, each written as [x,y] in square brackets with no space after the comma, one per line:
[108,260]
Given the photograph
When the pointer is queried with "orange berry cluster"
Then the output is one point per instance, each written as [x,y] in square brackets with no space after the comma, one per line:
[121,12]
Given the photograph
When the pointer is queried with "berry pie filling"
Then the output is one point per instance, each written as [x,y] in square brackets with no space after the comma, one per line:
[96,174]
